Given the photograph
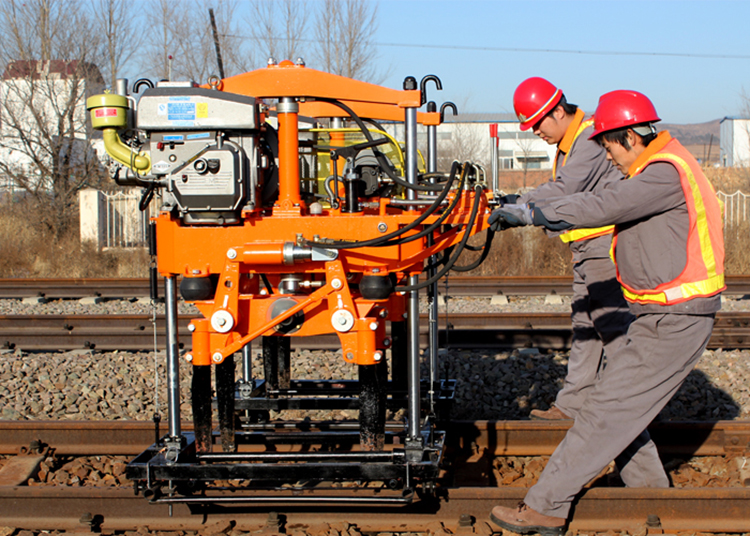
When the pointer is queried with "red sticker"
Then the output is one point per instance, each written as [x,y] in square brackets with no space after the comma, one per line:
[105,112]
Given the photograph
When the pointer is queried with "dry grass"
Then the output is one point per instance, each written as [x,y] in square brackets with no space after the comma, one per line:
[523,251]
[27,250]
[729,180]
[737,249]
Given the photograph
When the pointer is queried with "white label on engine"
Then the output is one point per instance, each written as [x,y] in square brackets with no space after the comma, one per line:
[181,111]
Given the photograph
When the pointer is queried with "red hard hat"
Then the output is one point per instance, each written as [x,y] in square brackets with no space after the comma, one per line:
[622,108]
[534,98]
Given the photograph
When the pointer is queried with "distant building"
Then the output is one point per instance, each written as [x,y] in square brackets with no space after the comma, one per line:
[43,113]
[467,137]
[734,142]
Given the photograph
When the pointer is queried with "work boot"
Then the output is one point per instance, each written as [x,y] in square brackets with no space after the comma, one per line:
[524,520]
[552,414]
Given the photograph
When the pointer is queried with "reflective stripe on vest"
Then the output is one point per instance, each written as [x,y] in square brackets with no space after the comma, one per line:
[579,234]
[703,275]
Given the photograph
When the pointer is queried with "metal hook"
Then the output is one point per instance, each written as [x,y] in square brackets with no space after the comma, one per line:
[423,85]
[447,105]
[140,82]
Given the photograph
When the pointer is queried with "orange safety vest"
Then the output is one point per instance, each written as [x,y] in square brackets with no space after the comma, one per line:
[703,275]
[576,235]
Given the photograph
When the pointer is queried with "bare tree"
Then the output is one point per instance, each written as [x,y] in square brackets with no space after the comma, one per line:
[237,53]
[344,32]
[466,144]
[44,137]
[185,45]
[277,29]
[117,23]
[168,29]
[525,142]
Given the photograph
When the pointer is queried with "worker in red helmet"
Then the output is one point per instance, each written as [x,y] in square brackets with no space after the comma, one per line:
[668,249]
[600,315]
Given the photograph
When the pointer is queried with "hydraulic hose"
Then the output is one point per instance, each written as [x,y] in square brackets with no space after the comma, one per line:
[459,248]
[381,159]
[381,240]
[485,251]
[427,230]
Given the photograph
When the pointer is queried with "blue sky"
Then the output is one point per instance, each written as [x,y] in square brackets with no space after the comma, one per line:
[693,57]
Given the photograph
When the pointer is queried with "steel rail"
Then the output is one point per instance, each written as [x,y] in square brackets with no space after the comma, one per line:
[115,288]
[462,506]
[598,509]
[460,330]
[465,438]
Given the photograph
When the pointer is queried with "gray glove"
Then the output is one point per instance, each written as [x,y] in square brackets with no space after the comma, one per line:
[510,216]
[509,199]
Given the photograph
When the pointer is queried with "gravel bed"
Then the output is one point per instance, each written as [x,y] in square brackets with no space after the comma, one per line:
[514,471]
[491,384]
[702,471]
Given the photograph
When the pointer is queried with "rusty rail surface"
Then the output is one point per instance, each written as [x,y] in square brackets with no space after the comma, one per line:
[464,330]
[462,509]
[496,438]
[453,286]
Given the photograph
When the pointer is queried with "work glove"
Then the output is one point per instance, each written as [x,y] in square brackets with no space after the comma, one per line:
[509,199]
[509,216]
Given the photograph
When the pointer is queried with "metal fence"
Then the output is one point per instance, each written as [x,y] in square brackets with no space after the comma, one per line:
[736,209]
[126,224]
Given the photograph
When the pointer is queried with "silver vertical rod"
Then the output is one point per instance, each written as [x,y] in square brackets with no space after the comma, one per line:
[432,292]
[173,356]
[412,307]
[247,362]
[495,168]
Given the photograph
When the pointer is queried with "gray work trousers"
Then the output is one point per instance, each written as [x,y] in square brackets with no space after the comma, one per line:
[600,318]
[639,380]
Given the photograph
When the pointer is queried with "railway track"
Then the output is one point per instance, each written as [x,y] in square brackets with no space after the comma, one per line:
[466,493]
[455,286]
[466,330]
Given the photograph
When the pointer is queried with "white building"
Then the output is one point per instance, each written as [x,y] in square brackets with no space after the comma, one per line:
[43,115]
[734,142]
[467,137]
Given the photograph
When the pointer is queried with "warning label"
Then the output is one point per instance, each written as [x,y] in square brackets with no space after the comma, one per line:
[201,109]
[181,111]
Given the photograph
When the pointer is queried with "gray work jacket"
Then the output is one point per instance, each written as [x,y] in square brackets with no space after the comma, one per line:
[586,170]
[652,230]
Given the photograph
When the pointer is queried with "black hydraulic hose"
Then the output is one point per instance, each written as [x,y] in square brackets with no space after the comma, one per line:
[375,123]
[384,164]
[485,251]
[147,196]
[440,259]
[436,175]
[377,242]
[437,223]
[266,283]
[459,248]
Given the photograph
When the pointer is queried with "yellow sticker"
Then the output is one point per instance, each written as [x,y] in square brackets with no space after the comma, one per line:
[201,109]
